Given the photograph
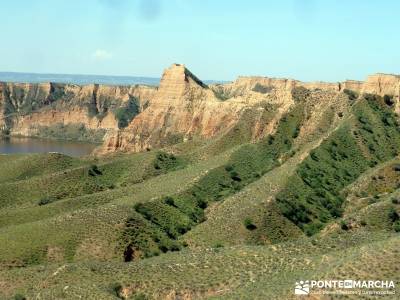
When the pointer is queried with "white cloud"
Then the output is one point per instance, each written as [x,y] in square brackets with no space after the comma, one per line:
[101,54]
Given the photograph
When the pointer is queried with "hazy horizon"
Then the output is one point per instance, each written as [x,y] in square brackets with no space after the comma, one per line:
[83,79]
[80,79]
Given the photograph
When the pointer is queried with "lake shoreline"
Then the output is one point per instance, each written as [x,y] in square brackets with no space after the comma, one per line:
[10,136]
[21,144]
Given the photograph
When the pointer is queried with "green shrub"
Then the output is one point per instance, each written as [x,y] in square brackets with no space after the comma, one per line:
[116,289]
[343,225]
[169,201]
[248,223]
[396,167]
[221,94]
[165,162]
[94,171]
[46,200]
[140,296]
[300,94]
[396,226]
[313,194]
[19,297]
[75,132]
[125,114]
[393,215]
[92,110]
[142,238]
[351,94]
[388,99]
[312,228]
[171,217]
[259,88]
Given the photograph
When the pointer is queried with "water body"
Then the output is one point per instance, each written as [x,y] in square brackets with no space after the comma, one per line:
[83,79]
[77,79]
[14,145]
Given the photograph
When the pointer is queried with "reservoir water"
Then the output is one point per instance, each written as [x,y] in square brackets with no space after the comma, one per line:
[14,145]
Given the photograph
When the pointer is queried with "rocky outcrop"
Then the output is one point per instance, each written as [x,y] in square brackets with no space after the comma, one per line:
[25,108]
[353,85]
[380,84]
[245,85]
[181,108]
[184,107]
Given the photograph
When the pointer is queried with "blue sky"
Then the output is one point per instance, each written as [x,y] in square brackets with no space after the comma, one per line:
[327,40]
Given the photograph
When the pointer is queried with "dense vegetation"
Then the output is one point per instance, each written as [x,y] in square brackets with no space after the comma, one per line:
[127,112]
[75,132]
[168,218]
[259,88]
[313,195]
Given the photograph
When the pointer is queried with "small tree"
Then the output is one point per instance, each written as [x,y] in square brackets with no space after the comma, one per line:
[169,201]
[94,170]
[117,290]
[393,215]
[45,200]
[351,94]
[19,297]
[396,226]
[388,100]
[248,223]
[344,225]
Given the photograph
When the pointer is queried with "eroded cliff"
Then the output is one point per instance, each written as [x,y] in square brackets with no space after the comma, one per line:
[39,109]
[136,118]
[184,107]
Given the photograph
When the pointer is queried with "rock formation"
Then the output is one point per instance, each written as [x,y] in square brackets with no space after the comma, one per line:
[184,107]
[25,108]
[181,108]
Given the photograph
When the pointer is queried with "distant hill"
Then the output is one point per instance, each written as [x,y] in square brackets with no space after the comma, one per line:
[77,79]
[82,79]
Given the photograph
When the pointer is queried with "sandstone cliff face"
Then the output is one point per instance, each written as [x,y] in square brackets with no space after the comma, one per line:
[244,85]
[380,84]
[25,108]
[184,107]
[181,108]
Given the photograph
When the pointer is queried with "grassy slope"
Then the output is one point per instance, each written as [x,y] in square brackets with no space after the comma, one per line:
[27,233]
[244,272]
[313,196]
[20,167]
[76,238]
[157,224]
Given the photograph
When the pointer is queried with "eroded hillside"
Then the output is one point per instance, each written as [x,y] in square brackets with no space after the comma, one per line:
[245,188]
[136,118]
[55,110]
